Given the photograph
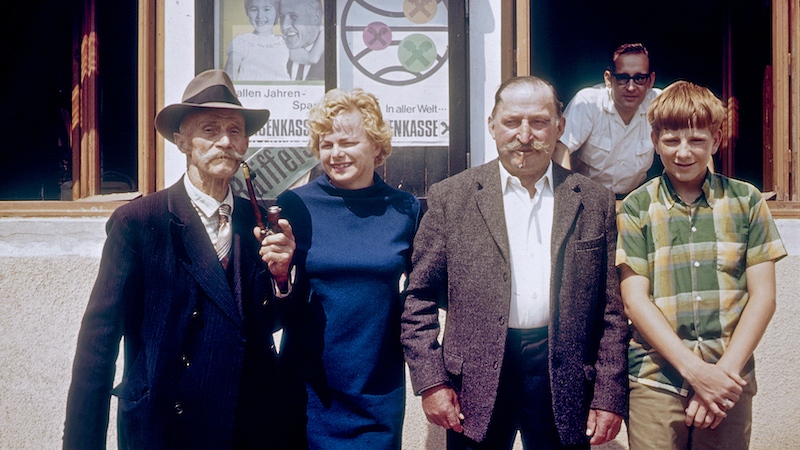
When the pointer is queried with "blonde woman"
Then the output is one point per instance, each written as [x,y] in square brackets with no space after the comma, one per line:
[354,236]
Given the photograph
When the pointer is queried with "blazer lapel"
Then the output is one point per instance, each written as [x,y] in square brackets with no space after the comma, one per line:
[567,200]
[193,249]
[489,198]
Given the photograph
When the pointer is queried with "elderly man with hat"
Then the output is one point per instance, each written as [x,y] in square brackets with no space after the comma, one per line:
[197,295]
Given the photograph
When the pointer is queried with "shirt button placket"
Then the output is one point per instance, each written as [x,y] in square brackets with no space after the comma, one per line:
[695,265]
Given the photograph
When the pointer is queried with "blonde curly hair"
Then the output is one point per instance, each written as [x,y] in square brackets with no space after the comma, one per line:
[337,102]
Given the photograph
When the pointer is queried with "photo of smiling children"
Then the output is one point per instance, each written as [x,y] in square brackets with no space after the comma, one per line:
[259,55]
[286,42]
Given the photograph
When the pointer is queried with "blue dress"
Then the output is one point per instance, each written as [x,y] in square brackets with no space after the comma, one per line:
[352,248]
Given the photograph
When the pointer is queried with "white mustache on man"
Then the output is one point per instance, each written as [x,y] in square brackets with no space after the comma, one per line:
[538,145]
[218,153]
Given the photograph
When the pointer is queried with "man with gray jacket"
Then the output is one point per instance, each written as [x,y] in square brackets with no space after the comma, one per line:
[523,252]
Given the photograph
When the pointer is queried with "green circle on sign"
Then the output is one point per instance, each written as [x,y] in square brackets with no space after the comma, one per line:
[417,53]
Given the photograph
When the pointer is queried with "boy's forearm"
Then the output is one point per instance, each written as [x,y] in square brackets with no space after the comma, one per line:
[755,316]
[651,323]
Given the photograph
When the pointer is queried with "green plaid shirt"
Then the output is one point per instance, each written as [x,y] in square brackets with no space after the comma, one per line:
[695,257]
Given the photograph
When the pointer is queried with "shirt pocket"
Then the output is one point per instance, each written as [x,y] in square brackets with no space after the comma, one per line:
[731,253]
[644,155]
[597,150]
[595,243]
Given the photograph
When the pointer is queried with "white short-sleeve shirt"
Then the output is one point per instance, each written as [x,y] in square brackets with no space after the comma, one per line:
[612,153]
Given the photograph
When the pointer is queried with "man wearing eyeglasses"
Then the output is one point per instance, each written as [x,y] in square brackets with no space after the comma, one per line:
[607,136]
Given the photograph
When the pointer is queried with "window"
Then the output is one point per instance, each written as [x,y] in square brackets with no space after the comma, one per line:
[83,79]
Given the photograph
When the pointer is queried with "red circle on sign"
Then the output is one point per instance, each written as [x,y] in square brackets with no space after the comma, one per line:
[377,36]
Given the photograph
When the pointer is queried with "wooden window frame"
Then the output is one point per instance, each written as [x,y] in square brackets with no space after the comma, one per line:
[782,141]
[87,200]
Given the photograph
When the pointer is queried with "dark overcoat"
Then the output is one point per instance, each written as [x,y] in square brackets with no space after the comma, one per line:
[162,288]
[461,261]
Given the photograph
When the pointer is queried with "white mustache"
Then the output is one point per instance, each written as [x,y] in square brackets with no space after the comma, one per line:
[208,157]
[535,144]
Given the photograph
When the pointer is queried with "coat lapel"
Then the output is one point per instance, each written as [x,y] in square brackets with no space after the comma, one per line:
[489,198]
[567,200]
[195,252]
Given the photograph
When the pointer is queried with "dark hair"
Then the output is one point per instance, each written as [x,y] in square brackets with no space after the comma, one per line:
[535,82]
[629,49]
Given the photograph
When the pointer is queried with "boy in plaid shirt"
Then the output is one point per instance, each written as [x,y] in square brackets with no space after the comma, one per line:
[696,253]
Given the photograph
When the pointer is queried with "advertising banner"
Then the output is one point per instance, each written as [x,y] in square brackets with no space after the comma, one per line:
[398,50]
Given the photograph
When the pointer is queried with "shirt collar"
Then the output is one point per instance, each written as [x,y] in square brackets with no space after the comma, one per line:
[204,202]
[608,101]
[545,182]
[669,197]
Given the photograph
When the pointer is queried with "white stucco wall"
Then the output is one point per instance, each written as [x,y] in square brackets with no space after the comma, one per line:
[178,72]
[484,79]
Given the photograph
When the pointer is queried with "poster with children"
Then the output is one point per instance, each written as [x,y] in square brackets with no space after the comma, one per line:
[271,40]
[273,52]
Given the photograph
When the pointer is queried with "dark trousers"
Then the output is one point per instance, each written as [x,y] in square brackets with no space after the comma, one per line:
[523,399]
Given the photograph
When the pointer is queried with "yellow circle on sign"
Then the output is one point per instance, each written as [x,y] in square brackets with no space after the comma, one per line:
[420,11]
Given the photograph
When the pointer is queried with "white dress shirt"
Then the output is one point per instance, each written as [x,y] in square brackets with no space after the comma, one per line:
[612,153]
[207,208]
[529,222]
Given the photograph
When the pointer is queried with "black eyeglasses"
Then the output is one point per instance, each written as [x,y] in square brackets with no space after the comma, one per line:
[624,78]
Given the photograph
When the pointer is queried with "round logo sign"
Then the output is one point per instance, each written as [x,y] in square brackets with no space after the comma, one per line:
[417,53]
[377,36]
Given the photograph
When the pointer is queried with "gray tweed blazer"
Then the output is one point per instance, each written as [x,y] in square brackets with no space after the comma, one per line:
[461,262]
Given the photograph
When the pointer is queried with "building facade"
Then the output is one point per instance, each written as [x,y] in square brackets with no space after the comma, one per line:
[87,142]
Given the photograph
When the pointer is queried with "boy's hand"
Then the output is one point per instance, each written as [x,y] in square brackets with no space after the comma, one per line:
[699,415]
[717,387]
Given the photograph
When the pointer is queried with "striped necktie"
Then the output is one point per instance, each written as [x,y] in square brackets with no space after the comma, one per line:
[225,234]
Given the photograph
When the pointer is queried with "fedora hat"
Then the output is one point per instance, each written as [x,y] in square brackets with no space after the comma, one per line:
[212,89]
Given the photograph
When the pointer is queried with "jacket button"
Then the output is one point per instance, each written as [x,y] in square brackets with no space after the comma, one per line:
[266,302]
[502,321]
[178,409]
[505,276]
[494,365]
[185,361]
[195,314]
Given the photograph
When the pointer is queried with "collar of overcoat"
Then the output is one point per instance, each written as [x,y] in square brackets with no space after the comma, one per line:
[194,251]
